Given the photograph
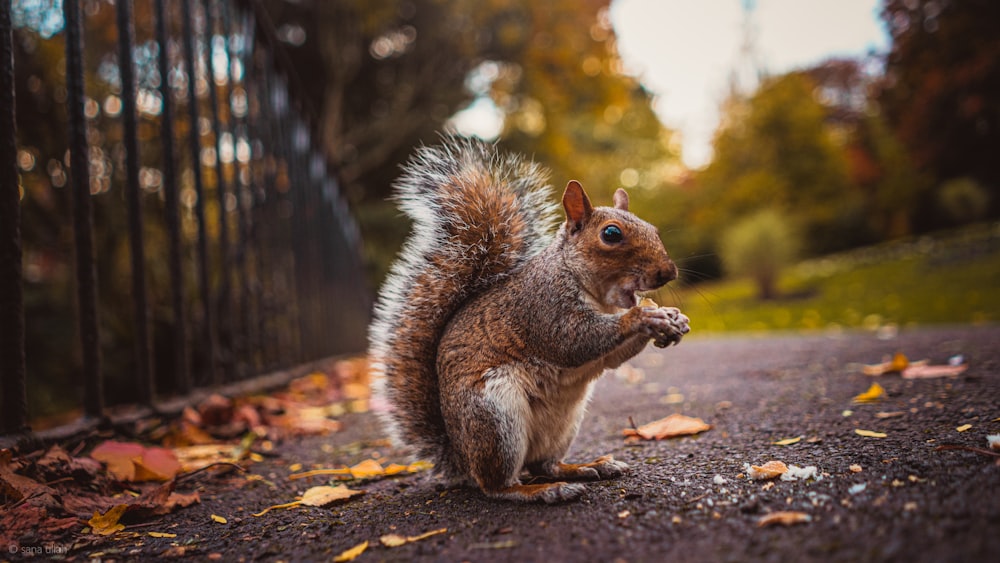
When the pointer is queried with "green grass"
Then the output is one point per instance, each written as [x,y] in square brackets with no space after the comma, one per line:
[946,278]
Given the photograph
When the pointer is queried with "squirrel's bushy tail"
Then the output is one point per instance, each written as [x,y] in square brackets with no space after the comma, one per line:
[477,216]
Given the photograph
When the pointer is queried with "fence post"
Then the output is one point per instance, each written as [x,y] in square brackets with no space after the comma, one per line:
[224,295]
[12,374]
[140,304]
[182,368]
[83,227]
[194,139]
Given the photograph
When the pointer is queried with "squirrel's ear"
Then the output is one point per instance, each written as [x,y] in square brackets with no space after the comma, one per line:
[621,199]
[577,205]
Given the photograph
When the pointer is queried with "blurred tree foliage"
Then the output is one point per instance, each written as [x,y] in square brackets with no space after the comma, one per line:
[759,246]
[941,91]
[386,75]
[776,150]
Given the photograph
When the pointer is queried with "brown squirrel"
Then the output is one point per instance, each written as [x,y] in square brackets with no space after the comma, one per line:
[490,332]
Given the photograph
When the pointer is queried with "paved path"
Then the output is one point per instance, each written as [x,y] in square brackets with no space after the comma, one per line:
[685,499]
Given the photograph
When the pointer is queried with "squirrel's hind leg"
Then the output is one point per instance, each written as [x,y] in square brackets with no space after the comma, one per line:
[489,428]
[604,467]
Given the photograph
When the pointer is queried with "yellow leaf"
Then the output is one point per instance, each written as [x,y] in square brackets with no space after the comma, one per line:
[396,540]
[964,427]
[295,467]
[318,472]
[161,535]
[874,393]
[392,540]
[352,554]
[870,433]
[785,518]
[419,466]
[324,495]
[428,534]
[219,519]
[277,506]
[394,468]
[899,362]
[787,441]
[107,523]
[366,469]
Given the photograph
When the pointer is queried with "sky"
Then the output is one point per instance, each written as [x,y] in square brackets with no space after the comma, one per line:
[684,51]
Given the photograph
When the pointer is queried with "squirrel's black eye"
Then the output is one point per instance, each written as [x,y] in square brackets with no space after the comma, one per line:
[611,234]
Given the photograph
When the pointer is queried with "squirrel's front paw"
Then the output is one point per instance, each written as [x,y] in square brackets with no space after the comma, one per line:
[666,325]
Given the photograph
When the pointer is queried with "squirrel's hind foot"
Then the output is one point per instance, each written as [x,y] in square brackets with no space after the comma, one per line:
[604,467]
[550,493]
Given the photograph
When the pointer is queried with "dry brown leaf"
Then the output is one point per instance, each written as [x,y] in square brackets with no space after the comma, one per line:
[769,470]
[931,372]
[351,554]
[670,427]
[784,518]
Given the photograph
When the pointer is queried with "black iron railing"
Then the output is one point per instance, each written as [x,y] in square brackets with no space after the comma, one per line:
[271,277]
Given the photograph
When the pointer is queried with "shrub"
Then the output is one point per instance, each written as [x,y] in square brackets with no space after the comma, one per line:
[759,246]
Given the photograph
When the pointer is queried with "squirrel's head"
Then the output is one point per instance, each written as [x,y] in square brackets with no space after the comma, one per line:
[615,253]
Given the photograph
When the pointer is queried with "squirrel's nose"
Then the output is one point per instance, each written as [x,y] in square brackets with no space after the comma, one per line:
[666,274]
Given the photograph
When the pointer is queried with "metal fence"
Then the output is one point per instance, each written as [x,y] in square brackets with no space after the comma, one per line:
[261,253]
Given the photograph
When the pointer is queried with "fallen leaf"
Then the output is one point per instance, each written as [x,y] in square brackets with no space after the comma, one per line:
[870,433]
[893,414]
[769,470]
[396,540]
[107,523]
[931,372]
[219,519]
[874,393]
[899,362]
[317,496]
[787,441]
[366,470]
[963,427]
[161,535]
[352,554]
[128,461]
[785,518]
[670,427]
[855,468]
[325,495]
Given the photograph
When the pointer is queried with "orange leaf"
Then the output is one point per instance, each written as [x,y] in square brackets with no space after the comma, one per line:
[769,470]
[107,523]
[785,518]
[669,427]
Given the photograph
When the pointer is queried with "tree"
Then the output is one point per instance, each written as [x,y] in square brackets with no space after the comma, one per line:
[942,88]
[776,150]
[385,76]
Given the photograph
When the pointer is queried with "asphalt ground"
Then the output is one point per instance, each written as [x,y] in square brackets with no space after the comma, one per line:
[892,498]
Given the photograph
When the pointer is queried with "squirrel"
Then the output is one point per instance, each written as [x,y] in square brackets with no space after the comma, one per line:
[489,332]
